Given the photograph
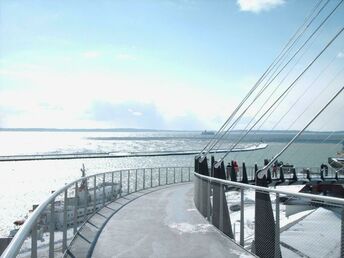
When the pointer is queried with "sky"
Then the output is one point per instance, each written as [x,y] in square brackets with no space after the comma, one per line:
[152,64]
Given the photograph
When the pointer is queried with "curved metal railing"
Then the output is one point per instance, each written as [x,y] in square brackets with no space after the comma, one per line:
[241,210]
[55,221]
[300,172]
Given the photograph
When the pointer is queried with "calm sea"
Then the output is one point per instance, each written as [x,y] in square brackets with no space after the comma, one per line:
[26,183]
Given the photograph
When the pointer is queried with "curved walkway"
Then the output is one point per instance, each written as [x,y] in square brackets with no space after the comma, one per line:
[164,223]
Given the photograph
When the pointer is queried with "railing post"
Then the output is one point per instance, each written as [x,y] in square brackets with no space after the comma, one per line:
[34,241]
[277,227]
[166,176]
[189,174]
[64,230]
[51,229]
[221,207]
[342,235]
[151,177]
[144,178]
[86,200]
[75,217]
[135,180]
[208,200]
[200,198]
[94,193]
[174,175]
[112,186]
[103,189]
[242,216]
[159,177]
[129,181]
[120,181]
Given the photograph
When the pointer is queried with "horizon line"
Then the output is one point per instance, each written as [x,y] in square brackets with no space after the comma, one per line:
[124,129]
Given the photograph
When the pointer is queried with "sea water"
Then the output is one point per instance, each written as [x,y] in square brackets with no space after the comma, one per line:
[26,183]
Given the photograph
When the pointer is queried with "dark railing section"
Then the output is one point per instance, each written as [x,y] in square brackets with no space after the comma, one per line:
[265,220]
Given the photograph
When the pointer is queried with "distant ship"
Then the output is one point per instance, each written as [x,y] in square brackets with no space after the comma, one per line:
[205,132]
[338,161]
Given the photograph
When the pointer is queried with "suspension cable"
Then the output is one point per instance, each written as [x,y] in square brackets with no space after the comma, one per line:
[290,86]
[299,133]
[277,59]
[297,100]
[268,84]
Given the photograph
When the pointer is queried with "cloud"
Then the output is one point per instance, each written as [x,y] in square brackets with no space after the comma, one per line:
[340,54]
[109,99]
[256,6]
[5,113]
[181,3]
[127,114]
[135,113]
[91,54]
[126,57]
[187,121]
[121,56]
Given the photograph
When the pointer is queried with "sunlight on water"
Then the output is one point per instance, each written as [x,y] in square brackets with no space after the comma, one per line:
[26,183]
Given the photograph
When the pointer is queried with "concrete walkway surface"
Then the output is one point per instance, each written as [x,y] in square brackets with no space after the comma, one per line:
[164,223]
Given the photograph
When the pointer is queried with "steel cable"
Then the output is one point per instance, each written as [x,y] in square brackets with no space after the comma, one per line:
[268,84]
[290,86]
[278,58]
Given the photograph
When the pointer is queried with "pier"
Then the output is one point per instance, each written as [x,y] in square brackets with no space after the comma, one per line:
[111,155]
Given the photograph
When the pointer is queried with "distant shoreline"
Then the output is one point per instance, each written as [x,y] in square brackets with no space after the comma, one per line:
[158,135]
[83,130]
[149,130]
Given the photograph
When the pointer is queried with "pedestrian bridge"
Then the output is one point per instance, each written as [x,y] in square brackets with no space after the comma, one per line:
[174,212]
[163,223]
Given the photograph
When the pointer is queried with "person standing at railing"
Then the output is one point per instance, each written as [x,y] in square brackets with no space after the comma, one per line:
[324,169]
[228,170]
[236,167]
[274,170]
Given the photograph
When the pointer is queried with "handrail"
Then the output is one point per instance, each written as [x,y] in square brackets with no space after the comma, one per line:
[260,217]
[14,247]
[264,189]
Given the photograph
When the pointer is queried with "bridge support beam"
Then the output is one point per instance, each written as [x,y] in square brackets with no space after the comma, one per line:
[265,228]
[221,218]
[342,236]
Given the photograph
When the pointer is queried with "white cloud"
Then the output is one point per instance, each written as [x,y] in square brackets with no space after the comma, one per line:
[91,54]
[257,6]
[126,57]
[340,54]
[135,113]
[62,98]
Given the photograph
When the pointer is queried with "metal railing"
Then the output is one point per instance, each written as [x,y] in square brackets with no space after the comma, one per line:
[272,222]
[52,225]
[300,172]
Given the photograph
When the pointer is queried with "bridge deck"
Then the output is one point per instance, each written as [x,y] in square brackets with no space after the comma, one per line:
[164,223]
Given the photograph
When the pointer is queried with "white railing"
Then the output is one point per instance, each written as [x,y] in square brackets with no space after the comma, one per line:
[298,224]
[54,223]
